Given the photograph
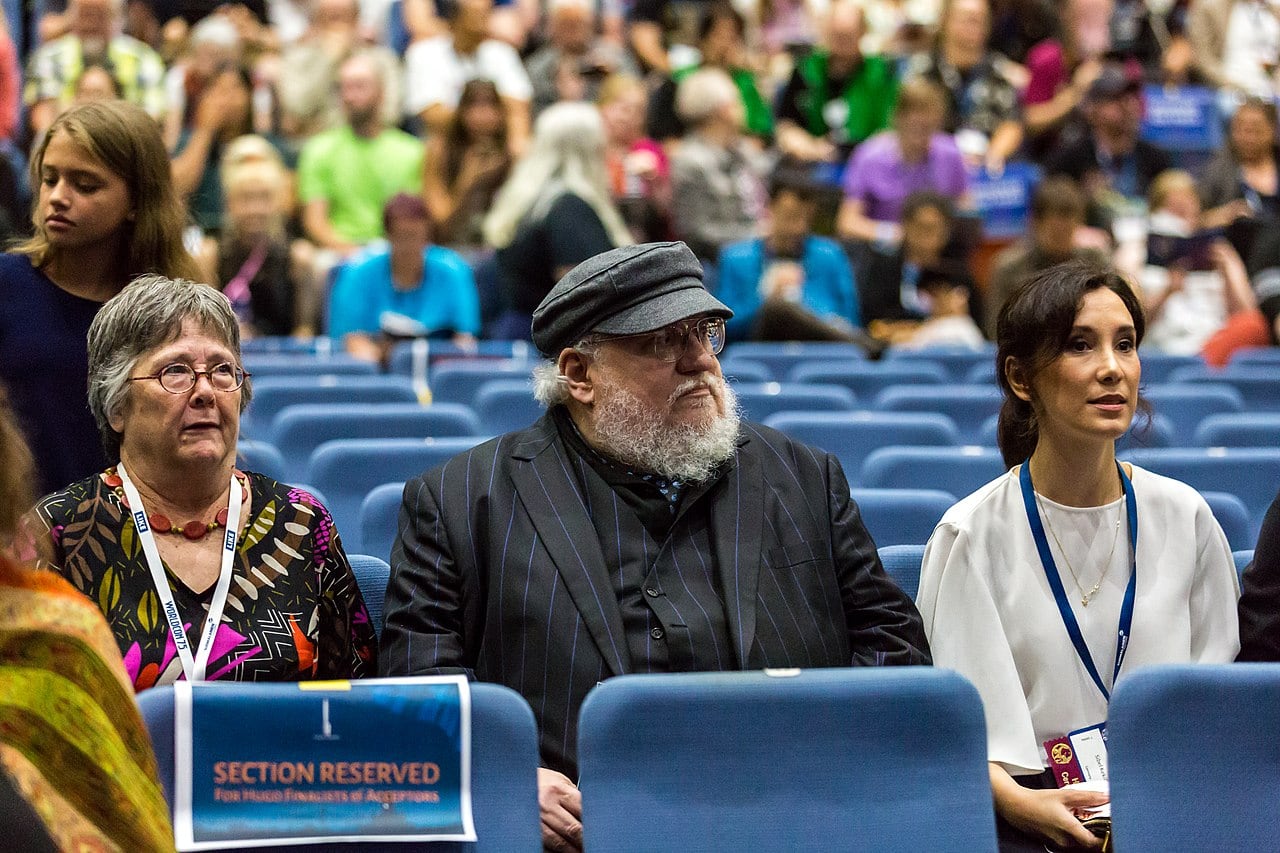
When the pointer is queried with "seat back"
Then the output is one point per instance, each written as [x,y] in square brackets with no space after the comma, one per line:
[504,761]
[1239,429]
[866,379]
[380,518]
[264,365]
[759,401]
[506,405]
[968,405]
[298,430]
[1193,759]
[781,356]
[1258,384]
[903,562]
[274,393]
[1186,405]
[958,470]
[1249,473]
[852,436]
[1242,559]
[262,457]
[372,574]
[839,759]
[348,469]
[459,381]
[1233,517]
[957,361]
[902,516]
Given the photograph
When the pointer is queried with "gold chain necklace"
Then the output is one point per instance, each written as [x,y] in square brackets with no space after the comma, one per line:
[1085,597]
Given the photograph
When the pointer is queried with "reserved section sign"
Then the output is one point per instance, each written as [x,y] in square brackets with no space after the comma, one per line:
[376,760]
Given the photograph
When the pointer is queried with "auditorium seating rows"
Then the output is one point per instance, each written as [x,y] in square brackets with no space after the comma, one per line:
[913,431]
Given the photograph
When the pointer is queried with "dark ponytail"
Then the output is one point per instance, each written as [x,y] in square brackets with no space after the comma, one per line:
[1033,328]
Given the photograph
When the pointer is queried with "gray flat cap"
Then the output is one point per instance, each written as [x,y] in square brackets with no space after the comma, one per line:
[624,291]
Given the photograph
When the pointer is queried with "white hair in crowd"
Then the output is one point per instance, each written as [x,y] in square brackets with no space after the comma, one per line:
[566,154]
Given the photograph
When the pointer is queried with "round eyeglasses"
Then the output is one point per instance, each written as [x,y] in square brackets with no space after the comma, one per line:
[670,343]
[178,378]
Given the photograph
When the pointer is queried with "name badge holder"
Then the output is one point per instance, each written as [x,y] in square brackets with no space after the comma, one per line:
[1060,594]
[193,667]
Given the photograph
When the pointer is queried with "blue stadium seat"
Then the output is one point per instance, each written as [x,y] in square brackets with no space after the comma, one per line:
[261,457]
[372,574]
[902,563]
[1185,405]
[503,405]
[1250,473]
[1239,429]
[1255,357]
[348,469]
[780,356]
[504,761]
[380,517]
[1156,432]
[1259,385]
[762,400]
[284,344]
[1242,560]
[459,380]
[981,374]
[301,364]
[298,430]
[851,436]
[1233,517]
[746,370]
[968,405]
[902,516]
[957,361]
[1158,365]
[826,759]
[275,392]
[866,379]
[1192,758]
[958,470]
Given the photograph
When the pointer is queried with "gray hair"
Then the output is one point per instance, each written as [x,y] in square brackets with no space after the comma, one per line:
[147,314]
[702,93]
[548,382]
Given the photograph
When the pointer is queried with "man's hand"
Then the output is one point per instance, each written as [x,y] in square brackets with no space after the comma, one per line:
[560,804]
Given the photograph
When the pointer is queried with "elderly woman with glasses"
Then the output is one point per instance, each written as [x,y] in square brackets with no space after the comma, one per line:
[203,571]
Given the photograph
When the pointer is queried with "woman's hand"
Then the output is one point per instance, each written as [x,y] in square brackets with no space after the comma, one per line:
[1048,814]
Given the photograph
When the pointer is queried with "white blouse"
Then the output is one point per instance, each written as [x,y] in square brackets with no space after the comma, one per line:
[991,616]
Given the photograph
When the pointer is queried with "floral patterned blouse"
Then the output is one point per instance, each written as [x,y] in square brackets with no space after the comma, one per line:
[294,611]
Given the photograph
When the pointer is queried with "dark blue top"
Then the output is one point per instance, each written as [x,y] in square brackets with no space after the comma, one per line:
[44,364]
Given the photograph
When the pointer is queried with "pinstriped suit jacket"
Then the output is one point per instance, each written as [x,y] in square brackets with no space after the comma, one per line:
[497,571]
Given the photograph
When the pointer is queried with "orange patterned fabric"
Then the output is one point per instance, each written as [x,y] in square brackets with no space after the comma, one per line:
[70,735]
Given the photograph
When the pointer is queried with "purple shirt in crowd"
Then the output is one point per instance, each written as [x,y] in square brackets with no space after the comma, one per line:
[877,175]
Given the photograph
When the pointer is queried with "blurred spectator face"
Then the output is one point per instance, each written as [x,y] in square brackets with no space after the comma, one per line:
[472,19]
[624,116]
[482,117]
[925,232]
[335,14]
[1120,116]
[360,89]
[845,29]
[723,43]
[790,219]
[1054,234]
[96,84]
[916,127]
[94,23]
[1252,134]
[408,238]
[967,24]
[1089,25]
[1184,203]
[570,27]
[253,202]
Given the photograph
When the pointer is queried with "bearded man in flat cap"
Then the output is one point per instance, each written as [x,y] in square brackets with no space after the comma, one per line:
[638,526]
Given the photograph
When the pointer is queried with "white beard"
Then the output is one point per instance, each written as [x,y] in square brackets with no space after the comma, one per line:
[630,432]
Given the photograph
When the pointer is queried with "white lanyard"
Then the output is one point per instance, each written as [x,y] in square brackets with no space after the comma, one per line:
[194,669]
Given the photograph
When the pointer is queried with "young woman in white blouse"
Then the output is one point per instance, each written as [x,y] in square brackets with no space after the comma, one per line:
[1070,570]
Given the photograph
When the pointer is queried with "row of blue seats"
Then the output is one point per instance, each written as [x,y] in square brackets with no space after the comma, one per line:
[888,759]
[504,404]
[360,481]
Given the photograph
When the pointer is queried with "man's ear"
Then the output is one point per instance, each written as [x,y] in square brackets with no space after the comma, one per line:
[573,366]
[1017,378]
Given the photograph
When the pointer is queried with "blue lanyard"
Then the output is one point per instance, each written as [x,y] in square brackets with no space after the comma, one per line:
[1060,593]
